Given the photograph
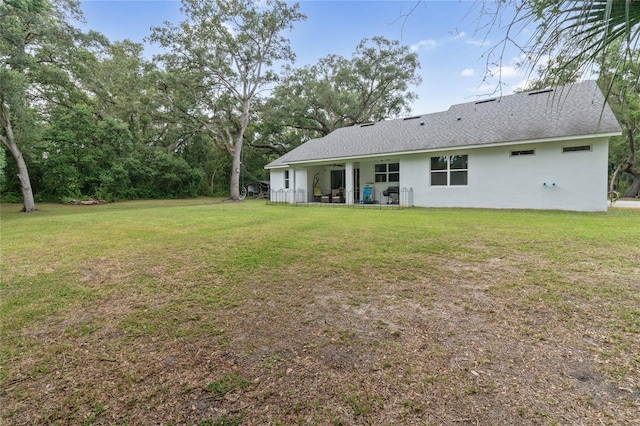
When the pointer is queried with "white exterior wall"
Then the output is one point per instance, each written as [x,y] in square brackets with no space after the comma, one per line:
[276,183]
[498,180]
[495,179]
[297,191]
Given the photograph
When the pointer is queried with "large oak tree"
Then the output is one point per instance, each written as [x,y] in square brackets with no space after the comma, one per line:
[219,60]
[372,85]
[39,50]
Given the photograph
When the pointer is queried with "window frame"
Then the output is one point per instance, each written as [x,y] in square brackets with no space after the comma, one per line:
[386,172]
[451,168]
[286,179]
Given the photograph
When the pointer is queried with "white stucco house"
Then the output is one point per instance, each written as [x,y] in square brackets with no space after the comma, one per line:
[539,150]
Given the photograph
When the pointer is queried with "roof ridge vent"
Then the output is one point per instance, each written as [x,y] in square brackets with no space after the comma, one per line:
[367,124]
[484,101]
[538,92]
[412,118]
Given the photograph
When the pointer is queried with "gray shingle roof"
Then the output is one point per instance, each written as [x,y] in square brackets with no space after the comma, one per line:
[567,111]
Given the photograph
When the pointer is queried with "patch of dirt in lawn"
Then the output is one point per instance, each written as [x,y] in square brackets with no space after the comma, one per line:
[478,346]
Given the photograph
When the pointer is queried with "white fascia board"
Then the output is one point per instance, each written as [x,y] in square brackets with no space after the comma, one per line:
[281,166]
[453,148]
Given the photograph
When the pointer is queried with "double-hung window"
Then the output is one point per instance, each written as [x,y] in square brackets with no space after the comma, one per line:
[286,179]
[388,172]
[450,170]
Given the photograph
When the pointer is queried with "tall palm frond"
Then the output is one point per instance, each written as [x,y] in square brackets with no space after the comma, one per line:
[583,32]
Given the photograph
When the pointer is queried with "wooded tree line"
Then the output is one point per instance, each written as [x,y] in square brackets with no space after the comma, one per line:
[81,116]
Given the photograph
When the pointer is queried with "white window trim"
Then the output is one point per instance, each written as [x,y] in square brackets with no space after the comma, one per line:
[448,172]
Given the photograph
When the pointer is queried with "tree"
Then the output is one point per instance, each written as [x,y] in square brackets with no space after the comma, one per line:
[18,24]
[219,60]
[553,73]
[584,33]
[272,134]
[575,35]
[37,49]
[12,86]
[338,92]
[620,77]
[122,86]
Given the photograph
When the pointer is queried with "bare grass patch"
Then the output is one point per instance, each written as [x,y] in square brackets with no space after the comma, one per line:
[251,314]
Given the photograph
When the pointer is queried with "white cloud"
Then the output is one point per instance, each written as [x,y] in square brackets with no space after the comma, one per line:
[484,89]
[506,71]
[468,72]
[480,43]
[423,45]
[460,35]
[522,85]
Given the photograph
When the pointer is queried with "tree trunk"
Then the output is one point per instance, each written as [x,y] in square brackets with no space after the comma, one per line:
[633,190]
[235,172]
[236,153]
[612,184]
[28,204]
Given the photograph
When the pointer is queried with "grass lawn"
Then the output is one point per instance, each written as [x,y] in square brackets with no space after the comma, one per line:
[208,313]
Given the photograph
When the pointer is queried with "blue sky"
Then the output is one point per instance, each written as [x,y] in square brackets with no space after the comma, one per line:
[445,34]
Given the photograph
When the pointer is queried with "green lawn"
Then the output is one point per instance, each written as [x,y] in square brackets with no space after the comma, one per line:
[210,313]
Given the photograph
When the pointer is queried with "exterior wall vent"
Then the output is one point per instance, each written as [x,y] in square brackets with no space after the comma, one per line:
[523,152]
[576,148]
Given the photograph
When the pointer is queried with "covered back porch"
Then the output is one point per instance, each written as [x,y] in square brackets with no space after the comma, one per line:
[374,182]
[300,197]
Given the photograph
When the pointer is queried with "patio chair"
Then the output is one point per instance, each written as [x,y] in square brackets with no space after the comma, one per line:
[317,191]
[337,196]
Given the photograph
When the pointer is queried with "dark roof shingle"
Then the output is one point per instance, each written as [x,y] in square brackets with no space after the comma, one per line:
[568,111]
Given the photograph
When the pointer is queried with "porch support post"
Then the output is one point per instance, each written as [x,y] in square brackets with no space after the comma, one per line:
[348,189]
[292,185]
